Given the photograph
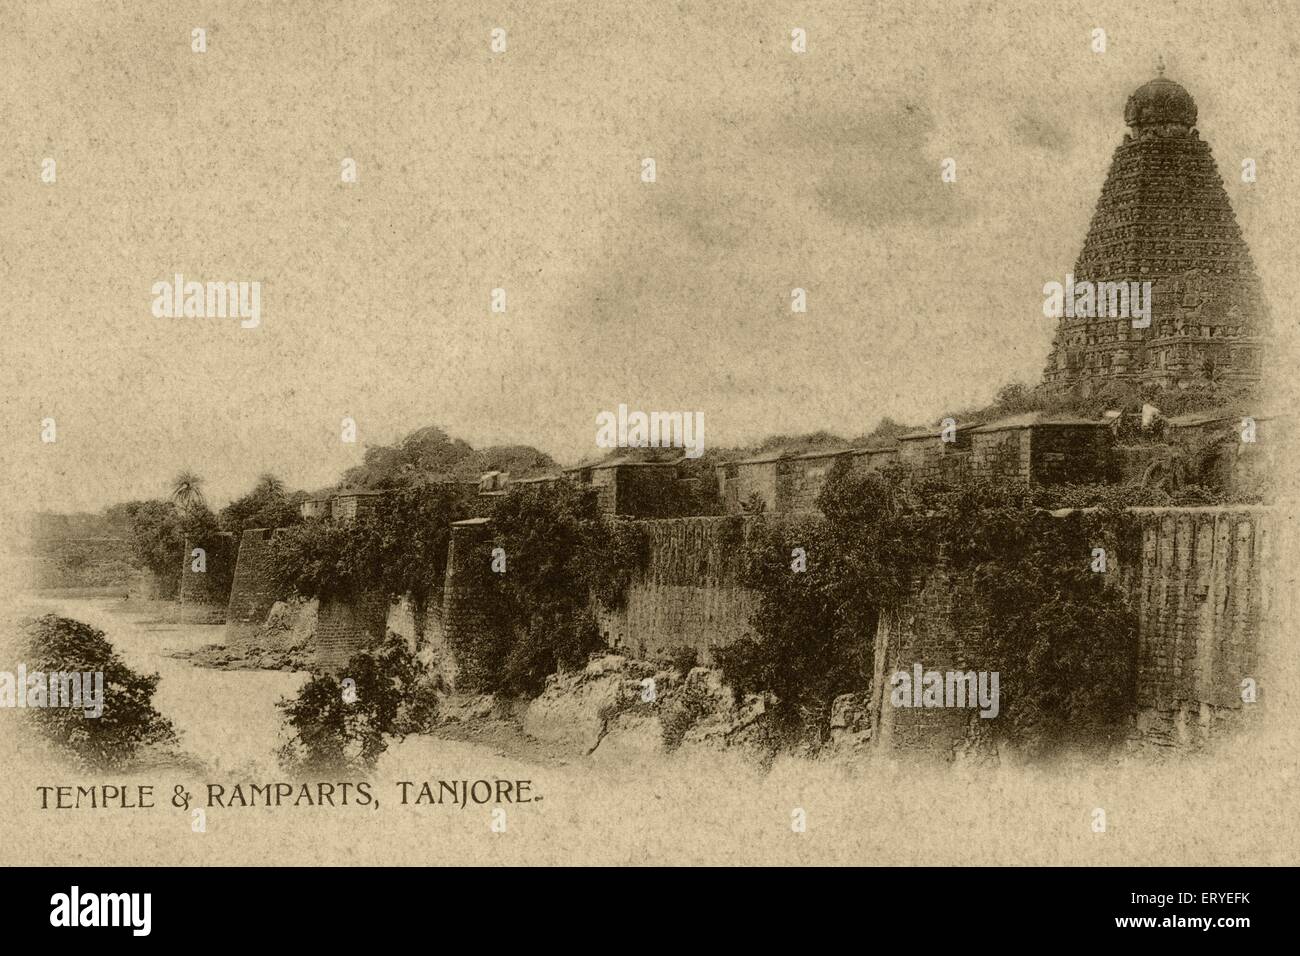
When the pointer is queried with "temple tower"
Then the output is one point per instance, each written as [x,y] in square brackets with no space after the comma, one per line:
[1164,217]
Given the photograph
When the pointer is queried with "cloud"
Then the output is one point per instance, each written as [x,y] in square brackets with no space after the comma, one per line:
[879,168]
[1036,129]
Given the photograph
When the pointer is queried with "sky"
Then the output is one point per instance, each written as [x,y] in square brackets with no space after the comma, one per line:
[521,170]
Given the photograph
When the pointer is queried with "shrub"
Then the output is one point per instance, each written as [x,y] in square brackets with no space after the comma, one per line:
[560,554]
[682,658]
[129,720]
[328,733]
[680,710]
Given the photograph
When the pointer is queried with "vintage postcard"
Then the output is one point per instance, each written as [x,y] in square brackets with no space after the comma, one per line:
[722,433]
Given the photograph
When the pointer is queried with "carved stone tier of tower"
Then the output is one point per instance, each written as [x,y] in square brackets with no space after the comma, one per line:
[1164,217]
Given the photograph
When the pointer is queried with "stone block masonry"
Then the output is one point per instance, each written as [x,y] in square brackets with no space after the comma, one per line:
[348,627]
[253,592]
[342,627]
[688,594]
[466,621]
[1201,584]
[1204,589]
[211,586]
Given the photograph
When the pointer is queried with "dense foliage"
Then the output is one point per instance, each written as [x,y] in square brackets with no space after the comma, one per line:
[1121,396]
[129,720]
[429,453]
[157,533]
[400,548]
[814,626]
[1020,580]
[559,552]
[333,727]
[268,505]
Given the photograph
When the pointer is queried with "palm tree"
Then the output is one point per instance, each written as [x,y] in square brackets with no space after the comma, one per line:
[187,491]
[268,485]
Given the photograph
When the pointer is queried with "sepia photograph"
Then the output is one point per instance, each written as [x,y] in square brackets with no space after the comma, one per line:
[731,434]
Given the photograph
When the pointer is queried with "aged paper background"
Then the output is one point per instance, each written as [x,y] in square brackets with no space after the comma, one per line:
[521,170]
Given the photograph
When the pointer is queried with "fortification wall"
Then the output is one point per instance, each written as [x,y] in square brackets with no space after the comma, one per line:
[1204,591]
[421,628]
[928,629]
[1201,585]
[467,597]
[688,593]
[210,586]
[253,592]
[335,629]
[1070,453]
[1200,582]
[345,628]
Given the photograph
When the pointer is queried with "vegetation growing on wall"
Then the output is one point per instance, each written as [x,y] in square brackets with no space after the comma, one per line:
[814,626]
[1119,395]
[558,553]
[400,548]
[129,721]
[1063,641]
[1062,636]
[269,505]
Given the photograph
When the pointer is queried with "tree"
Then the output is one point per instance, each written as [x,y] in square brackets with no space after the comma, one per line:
[561,552]
[268,505]
[425,452]
[129,720]
[187,490]
[157,537]
[392,693]
[269,485]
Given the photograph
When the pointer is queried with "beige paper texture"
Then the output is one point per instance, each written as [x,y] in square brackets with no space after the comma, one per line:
[382,169]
